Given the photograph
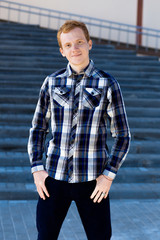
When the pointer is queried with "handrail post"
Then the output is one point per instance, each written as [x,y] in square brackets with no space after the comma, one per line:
[19,13]
[9,12]
[127,42]
[58,23]
[146,48]
[29,12]
[100,29]
[156,45]
[40,17]
[109,34]
[139,22]
[49,16]
[119,36]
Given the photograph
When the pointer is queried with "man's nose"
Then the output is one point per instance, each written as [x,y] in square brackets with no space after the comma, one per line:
[75,46]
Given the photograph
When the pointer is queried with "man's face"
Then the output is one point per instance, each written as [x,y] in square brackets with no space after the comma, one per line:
[75,48]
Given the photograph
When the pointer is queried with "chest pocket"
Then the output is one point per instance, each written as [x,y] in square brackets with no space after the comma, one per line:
[61,96]
[91,97]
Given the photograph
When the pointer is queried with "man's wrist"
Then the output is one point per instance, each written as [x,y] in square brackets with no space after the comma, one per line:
[108,178]
[109,174]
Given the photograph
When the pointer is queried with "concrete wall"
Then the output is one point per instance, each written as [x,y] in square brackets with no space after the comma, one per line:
[114,10]
[151,19]
[123,11]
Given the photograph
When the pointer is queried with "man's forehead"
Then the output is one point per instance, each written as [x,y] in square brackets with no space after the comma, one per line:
[76,33]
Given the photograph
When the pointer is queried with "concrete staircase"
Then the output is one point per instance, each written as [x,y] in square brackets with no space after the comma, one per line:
[27,55]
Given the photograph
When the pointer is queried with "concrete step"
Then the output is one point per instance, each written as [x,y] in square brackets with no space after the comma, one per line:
[48,48]
[140,95]
[142,160]
[15,175]
[40,38]
[126,175]
[147,147]
[143,112]
[27,42]
[140,61]
[14,144]
[30,108]
[15,119]
[135,191]
[126,73]
[26,34]
[31,47]
[42,71]
[18,191]
[137,133]
[10,159]
[29,87]
[17,83]
[14,131]
[138,175]
[27,58]
[141,122]
[60,64]
[21,159]
[140,87]
[131,68]
[141,102]
[36,81]
[11,26]
[139,146]
[145,133]
[26,96]
[25,119]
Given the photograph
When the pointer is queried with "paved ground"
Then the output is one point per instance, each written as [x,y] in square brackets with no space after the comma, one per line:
[131,220]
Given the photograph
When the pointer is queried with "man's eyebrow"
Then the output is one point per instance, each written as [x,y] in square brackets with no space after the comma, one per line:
[81,39]
[66,43]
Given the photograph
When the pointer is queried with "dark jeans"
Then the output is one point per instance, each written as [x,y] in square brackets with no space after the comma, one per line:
[52,211]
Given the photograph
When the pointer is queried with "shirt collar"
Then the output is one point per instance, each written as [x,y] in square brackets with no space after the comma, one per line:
[87,71]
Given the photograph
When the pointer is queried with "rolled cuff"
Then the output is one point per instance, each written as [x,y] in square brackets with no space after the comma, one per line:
[109,174]
[37,168]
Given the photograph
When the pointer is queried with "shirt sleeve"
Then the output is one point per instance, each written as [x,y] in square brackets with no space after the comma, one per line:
[39,129]
[119,129]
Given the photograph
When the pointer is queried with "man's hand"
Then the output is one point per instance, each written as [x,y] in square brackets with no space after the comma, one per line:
[39,180]
[102,188]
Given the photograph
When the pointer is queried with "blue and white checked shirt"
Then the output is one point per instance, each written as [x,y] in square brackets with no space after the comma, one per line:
[100,99]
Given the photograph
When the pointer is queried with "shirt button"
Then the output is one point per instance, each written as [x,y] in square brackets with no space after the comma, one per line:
[61,91]
[92,93]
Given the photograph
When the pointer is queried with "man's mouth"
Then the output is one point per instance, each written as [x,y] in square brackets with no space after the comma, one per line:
[76,55]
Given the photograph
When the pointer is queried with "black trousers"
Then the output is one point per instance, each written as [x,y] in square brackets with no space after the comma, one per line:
[52,211]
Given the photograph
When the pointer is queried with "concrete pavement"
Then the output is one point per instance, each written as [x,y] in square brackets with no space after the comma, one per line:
[131,220]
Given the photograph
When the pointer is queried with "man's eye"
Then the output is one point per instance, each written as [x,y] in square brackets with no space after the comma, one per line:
[67,45]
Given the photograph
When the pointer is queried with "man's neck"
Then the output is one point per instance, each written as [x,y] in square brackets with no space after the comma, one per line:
[79,69]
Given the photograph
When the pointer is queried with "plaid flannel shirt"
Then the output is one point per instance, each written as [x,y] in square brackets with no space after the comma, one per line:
[100,99]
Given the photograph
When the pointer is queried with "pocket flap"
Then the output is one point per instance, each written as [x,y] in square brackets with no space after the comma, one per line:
[61,90]
[94,91]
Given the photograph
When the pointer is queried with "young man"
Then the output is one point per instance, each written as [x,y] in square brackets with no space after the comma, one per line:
[78,100]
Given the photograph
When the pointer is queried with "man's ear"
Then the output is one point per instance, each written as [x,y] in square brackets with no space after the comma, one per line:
[90,44]
[61,51]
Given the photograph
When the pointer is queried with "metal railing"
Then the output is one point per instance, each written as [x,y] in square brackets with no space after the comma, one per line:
[99,28]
